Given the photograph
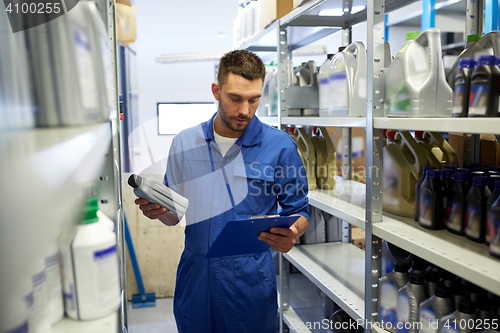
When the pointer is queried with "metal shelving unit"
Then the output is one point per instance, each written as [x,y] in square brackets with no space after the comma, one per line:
[460,125]
[344,273]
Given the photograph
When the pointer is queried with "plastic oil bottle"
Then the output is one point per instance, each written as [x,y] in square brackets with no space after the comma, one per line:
[426,147]
[416,78]
[431,281]
[307,153]
[458,293]
[389,286]
[438,146]
[475,214]
[462,87]
[417,190]
[489,203]
[326,159]
[409,298]
[484,87]
[91,282]
[348,82]
[403,163]
[457,322]
[430,201]
[324,86]
[494,231]
[468,52]
[434,309]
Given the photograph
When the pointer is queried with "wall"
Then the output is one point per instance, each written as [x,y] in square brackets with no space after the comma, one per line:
[165,27]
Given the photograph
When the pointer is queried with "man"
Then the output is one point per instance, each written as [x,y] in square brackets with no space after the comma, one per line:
[232,167]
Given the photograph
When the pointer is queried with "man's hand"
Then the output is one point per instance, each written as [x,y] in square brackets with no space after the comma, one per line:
[280,239]
[154,211]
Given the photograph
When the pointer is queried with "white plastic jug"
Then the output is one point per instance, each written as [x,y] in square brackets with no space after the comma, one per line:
[348,82]
[308,76]
[324,86]
[415,84]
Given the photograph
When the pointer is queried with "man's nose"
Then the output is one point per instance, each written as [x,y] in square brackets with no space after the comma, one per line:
[244,108]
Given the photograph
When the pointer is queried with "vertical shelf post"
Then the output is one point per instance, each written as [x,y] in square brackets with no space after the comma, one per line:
[428,14]
[283,74]
[490,16]
[474,17]
[374,140]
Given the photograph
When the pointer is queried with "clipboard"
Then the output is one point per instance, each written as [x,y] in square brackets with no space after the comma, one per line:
[241,236]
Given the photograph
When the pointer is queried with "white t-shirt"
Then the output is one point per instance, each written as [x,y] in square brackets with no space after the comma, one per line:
[224,143]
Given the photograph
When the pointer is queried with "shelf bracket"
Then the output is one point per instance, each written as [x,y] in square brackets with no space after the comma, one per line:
[471,149]
[284,71]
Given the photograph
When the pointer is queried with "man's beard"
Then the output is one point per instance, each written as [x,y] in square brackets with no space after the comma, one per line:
[228,120]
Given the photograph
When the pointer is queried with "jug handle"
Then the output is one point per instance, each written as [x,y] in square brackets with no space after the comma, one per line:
[322,132]
[301,140]
[357,48]
[446,153]
[415,150]
[434,61]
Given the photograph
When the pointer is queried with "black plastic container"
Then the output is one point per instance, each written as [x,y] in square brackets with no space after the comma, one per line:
[448,279]
[492,179]
[489,203]
[461,90]
[484,87]
[447,184]
[417,190]
[494,228]
[431,204]
[455,210]
[475,214]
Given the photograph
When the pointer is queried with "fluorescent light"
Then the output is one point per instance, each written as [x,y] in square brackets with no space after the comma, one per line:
[340,11]
[331,12]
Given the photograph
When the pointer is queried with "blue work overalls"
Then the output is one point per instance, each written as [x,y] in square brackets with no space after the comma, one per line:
[261,170]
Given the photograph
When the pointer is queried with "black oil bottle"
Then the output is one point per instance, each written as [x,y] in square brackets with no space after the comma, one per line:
[461,91]
[494,223]
[430,203]
[475,213]
[484,88]
[454,218]
[417,190]
[489,203]
[447,184]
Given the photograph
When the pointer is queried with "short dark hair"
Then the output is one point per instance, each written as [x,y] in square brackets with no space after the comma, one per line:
[243,63]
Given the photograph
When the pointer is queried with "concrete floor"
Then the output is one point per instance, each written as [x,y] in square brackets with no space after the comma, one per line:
[159,319]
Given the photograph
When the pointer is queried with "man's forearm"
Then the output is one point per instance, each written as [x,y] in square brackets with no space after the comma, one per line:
[301,224]
[168,219]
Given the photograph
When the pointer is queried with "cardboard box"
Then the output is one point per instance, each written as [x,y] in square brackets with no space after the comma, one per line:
[126,28]
[457,143]
[275,9]
[358,151]
[358,237]
[490,148]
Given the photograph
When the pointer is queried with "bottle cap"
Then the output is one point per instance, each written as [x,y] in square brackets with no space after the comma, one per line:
[485,169]
[400,268]
[384,132]
[442,291]
[474,38]
[329,56]
[445,275]
[417,278]
[479,173]
[419,134]
[461,177]
[391,134]
[467,63]
[467,170]
[427,167]
[89,215]
[451,166]
[480,181]
[412,35]
[487,60]
[472,166]
[494,168]
[134,180]
[492,180]
[447,173]
[484,304]
[432,276]
[466,306]
[432,174]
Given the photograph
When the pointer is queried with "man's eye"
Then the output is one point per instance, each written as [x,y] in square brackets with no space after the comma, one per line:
[254,100]
[234,99]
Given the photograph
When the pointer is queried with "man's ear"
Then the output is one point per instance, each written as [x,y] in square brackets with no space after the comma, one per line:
[215,90]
